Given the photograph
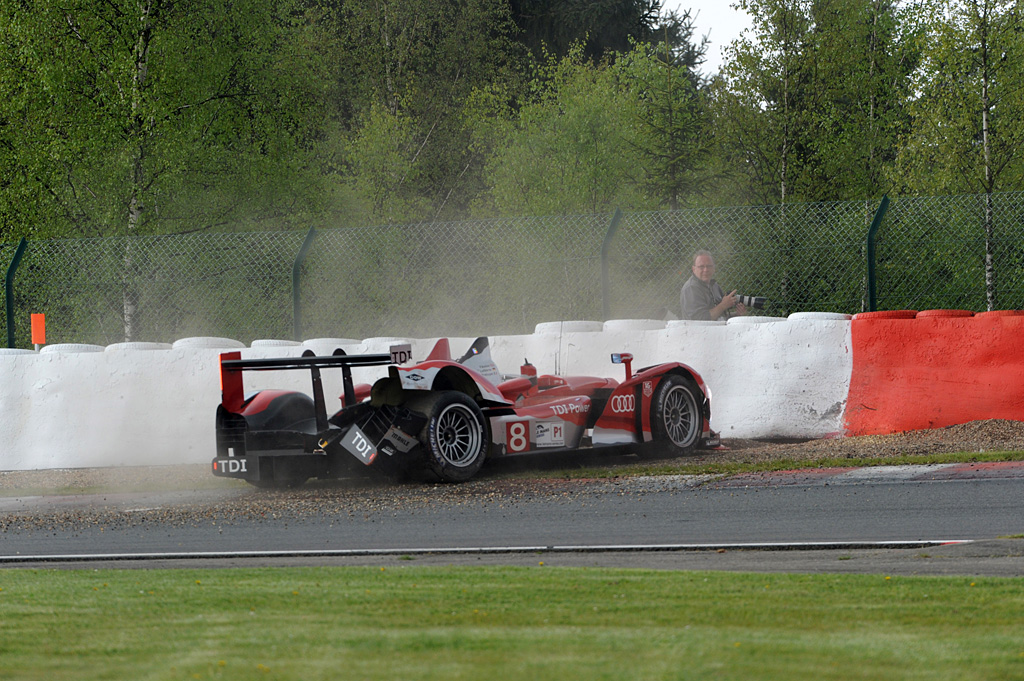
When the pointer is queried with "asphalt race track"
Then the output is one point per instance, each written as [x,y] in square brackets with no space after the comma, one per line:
[942,519]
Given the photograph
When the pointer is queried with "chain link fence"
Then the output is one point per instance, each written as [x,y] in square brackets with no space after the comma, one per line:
[503,276]
[932,253]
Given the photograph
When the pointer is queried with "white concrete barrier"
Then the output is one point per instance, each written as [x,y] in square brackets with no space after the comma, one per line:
[87,409]
[151,404]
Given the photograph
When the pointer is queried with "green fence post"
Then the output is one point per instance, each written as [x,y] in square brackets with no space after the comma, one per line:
[872,231]
[296,297]
[9,290]
[605,247]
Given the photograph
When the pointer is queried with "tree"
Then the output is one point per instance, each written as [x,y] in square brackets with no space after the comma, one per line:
[864,54]
[418,61]
[164,116]
[968,120]
[809,109]
[600,26]
[812,105]
[565,149]
[762,116]
[167,115]
[673,136]
[628,131]
[384,155]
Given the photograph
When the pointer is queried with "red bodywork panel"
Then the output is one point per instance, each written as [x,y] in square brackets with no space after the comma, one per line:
[569,409]
[552,388]
[633,397]
[261,400]
[232,394]
[441,351]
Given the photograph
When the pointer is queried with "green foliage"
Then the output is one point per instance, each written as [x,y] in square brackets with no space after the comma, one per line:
[566,148]
[176,116]
[810,109]
[968,124]
[673,139]
[813,103]
[384,163]
[168,116]
[597,27]
[184,115]
[968,118]
[864,55]
[932,252]
[760,117]
[417,64]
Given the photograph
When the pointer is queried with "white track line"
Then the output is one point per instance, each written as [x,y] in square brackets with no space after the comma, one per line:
[205,555]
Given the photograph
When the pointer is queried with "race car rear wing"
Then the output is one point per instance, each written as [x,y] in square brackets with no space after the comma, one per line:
[232,365]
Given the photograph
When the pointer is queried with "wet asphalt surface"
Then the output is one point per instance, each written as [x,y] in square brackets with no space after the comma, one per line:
[828,521]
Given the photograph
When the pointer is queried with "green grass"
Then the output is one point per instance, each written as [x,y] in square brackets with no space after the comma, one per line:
[504,623]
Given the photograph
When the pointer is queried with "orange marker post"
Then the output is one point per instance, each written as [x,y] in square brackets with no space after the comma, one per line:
[38,329]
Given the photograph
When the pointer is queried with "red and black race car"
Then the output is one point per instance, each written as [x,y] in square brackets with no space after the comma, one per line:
[445,416]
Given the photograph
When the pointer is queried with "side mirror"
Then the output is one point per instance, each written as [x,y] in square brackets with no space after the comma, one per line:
[624,358]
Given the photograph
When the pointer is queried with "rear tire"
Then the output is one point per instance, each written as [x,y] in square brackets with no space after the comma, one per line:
[456,436]
[676,418]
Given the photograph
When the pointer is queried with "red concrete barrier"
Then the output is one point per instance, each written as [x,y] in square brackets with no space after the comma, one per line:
[1001,313]
[944,313]
[934,370]
[887,314]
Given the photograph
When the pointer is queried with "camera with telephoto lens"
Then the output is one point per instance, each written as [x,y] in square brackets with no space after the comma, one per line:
[755,302]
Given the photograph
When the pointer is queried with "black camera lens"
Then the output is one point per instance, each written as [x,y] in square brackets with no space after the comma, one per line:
[755,302]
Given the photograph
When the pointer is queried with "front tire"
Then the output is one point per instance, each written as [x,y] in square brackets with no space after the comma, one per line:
[455,438]
[676,418]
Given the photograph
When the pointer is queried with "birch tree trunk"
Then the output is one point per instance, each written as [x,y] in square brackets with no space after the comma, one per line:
[986,110]
[137,149]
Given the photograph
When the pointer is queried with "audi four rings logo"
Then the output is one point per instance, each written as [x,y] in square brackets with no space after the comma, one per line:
[623,403]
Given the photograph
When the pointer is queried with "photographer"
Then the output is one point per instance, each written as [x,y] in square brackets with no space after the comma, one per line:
[702,298]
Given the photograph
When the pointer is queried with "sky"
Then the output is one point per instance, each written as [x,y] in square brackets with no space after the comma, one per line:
[715,18]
